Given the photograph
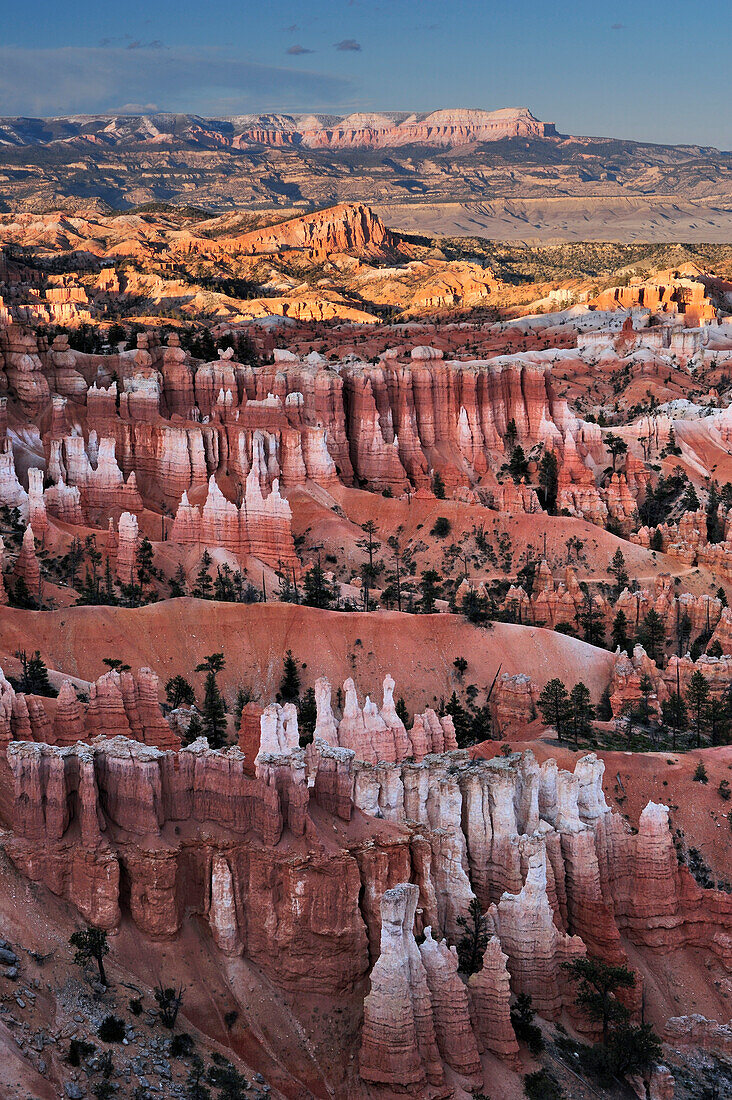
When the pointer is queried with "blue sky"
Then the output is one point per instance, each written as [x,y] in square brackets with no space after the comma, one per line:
[651,72]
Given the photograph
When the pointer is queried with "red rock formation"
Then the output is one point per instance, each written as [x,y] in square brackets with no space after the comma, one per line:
[27,566]
[12,493]
[262,526]
[536,948]
[121,704]
[398,1044]
[450,1009]
[490,994]
[127,549]
[68,723]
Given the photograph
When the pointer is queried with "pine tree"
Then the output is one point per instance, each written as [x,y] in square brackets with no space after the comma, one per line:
[290,682]
[618,570]
[204,585]
[673,710]
[597,985]
[438,486]
[549,480]
[697,696]
[307,716]
[616,446]
[619,634]
[518,467]
[34,678]
[179,692]
[213,710]
[144,560]
[472,944]
[91,943]
[317,592]
[582,712]
[715,529]
[554,706]
[430,591]
[652,635]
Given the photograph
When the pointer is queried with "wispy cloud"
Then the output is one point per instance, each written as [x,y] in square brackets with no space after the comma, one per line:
[617,27]
[296,51]
[348,44]
[79,80]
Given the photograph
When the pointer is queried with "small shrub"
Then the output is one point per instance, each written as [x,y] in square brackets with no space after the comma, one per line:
[104,1090]
[78,1050]
[442,527]
[136,1006]
[723,790]
[542,1085]
[181,1046]
[230,1018]
[700,775]
[111,1029]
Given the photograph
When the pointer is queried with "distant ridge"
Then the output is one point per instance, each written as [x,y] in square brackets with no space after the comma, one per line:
[444,128]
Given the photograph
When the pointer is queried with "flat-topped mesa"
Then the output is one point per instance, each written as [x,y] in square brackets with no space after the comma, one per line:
[375,734]
[398,1043]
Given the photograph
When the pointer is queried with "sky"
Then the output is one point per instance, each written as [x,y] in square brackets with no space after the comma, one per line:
[643,71]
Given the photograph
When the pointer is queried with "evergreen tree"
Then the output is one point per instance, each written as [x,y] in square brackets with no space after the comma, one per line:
[290,682]
[144,560]
[213,710]
[674,715]
[472,944]
[401,710]
[715,528]
[91,943]
[317,591]
[597,985]
[590,620]
[177,583]
[549,480]
[438,486]
[617,569]
[619,634]
[697,697]
[683,633]
[652,635]
[582,712]
[646,690]
[511,435]
[690,501]
[21,597]
[307,716]
[518,467]
[616,446]
[179,692]
[555,706]
[204,585]
[430,591]
[34,677]
[717,721]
